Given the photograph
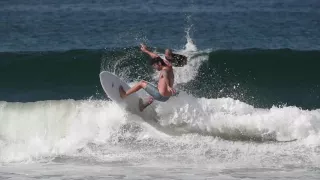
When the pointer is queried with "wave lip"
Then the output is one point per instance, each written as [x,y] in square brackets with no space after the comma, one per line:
[44,129]
[49,130]
[234,120]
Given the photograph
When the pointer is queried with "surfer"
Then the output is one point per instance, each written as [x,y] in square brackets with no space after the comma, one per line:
[163,91]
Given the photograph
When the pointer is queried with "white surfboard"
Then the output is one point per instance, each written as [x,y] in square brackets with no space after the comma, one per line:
[111,83]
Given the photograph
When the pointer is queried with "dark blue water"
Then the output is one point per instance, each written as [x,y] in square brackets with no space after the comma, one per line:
[66,44]
[237,24]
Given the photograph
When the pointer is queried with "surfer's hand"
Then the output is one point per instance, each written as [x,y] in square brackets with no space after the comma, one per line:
[173,91]
[143,47]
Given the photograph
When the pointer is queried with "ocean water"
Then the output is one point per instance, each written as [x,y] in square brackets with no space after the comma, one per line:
[248,108]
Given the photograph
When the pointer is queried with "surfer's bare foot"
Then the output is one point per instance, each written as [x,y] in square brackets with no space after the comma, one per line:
[122,92]
[143,105]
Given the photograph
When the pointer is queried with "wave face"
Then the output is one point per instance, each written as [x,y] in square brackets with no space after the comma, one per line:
[54,109]
[262,78]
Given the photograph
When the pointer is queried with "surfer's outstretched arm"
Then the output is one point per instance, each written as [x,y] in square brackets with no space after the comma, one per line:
[145,50]
[168,63]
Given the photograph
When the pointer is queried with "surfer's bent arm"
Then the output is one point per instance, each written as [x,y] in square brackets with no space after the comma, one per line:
[145,50]
[168,63]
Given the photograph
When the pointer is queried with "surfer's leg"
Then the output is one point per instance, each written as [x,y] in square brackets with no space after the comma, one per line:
[145,103]
[154,95]
[154,92]
[135,88]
